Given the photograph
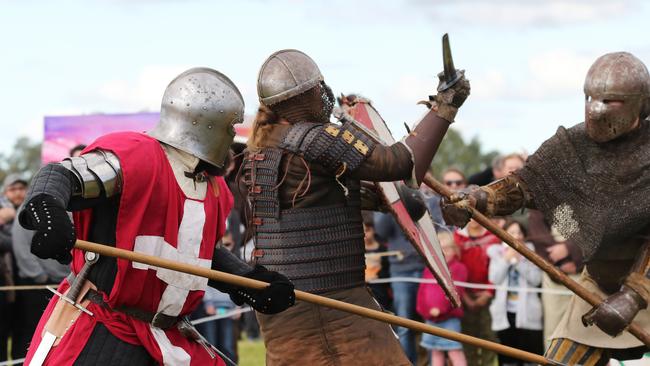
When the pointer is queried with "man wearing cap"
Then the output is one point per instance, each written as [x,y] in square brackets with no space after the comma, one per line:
[13,195]
[161,193]
[31,271]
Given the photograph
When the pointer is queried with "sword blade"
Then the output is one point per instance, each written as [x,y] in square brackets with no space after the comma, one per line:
[43,349]
[451,74]
[447,60]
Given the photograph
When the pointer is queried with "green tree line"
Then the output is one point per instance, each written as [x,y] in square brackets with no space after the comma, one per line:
[24,159]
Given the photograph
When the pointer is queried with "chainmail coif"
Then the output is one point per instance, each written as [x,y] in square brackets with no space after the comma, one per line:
[314,105]
[597,195]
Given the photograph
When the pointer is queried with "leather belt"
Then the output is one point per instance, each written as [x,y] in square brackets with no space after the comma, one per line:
[158,320]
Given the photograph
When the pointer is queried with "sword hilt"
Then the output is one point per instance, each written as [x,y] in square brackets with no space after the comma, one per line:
[78,283]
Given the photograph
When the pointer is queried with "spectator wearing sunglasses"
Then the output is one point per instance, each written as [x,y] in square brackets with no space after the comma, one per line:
[454,179]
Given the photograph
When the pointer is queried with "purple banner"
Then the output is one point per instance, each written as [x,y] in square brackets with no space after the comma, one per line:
[62,133]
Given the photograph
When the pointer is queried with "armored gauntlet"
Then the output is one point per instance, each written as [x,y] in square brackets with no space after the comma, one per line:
[277,297]
[424,140]
[45,212]
[501,197]
[616,312]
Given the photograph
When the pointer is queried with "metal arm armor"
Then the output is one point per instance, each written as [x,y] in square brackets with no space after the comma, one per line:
[639,278]
[338,148]
[503,197]
[96,172]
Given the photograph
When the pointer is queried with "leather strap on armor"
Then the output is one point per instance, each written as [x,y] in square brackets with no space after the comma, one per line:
[338,148]
[96,172]
[158,320]
[319,249]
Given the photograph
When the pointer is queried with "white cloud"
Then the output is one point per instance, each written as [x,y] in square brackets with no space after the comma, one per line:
[548,75]
[489,85]
[144,92]
[411,88]
[556,73]
[527,13]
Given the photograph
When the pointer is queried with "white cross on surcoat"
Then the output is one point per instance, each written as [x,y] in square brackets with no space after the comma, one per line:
[190,234]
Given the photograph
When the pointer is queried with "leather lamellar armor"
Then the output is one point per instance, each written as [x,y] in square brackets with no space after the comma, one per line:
[318,244]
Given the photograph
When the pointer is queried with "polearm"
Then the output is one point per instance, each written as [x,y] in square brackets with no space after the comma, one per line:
[311,298]
[535,258]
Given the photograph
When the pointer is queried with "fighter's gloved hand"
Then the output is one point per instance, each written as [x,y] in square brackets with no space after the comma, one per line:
[616,312]
[278,296]
[456,209]
[55,236]
[370,199]
[448,101]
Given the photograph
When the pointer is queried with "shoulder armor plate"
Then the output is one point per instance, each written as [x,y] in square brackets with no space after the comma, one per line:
[97,171]
[339,148]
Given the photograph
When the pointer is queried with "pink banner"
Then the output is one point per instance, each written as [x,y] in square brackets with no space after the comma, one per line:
[62,133]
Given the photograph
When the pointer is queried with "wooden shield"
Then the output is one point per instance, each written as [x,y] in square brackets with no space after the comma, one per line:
[421,234]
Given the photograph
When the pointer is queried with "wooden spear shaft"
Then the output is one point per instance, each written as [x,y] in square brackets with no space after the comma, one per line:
[311,298]
[535,258]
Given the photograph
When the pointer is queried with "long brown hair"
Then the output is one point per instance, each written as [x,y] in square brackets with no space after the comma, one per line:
[262,125]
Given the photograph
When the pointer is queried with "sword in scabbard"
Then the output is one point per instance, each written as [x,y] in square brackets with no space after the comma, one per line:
[49,338]
[77,285]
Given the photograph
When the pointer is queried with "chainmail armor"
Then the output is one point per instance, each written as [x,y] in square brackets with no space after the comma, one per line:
[314,105]
[597,195]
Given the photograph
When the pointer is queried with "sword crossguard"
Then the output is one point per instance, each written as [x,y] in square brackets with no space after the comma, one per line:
[71,302]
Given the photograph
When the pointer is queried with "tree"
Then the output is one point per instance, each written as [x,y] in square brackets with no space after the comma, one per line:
[25,159]
[455,152]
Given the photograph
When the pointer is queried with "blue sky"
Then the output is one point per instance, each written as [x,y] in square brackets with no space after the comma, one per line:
[526,59]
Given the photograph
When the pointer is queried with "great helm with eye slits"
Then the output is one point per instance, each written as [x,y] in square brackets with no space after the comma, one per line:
[199,110]
[617,92]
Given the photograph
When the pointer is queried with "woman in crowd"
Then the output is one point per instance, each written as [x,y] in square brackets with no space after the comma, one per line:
[516,312]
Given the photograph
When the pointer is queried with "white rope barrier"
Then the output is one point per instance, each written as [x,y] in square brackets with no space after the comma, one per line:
[479,286]
[12,362]
[26,287]
[221,316]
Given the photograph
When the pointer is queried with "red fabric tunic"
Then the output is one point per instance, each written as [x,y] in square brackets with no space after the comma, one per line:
[155,217]
[473,254]
[431,295]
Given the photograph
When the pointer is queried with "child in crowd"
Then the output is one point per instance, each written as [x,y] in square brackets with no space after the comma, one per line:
[435,308]
[474,240]
[377,265]
[516,314]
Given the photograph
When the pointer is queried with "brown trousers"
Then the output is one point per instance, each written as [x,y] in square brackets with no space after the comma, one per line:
[307,334]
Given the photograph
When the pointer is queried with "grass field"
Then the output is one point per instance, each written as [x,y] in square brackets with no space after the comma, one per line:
[251,353]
